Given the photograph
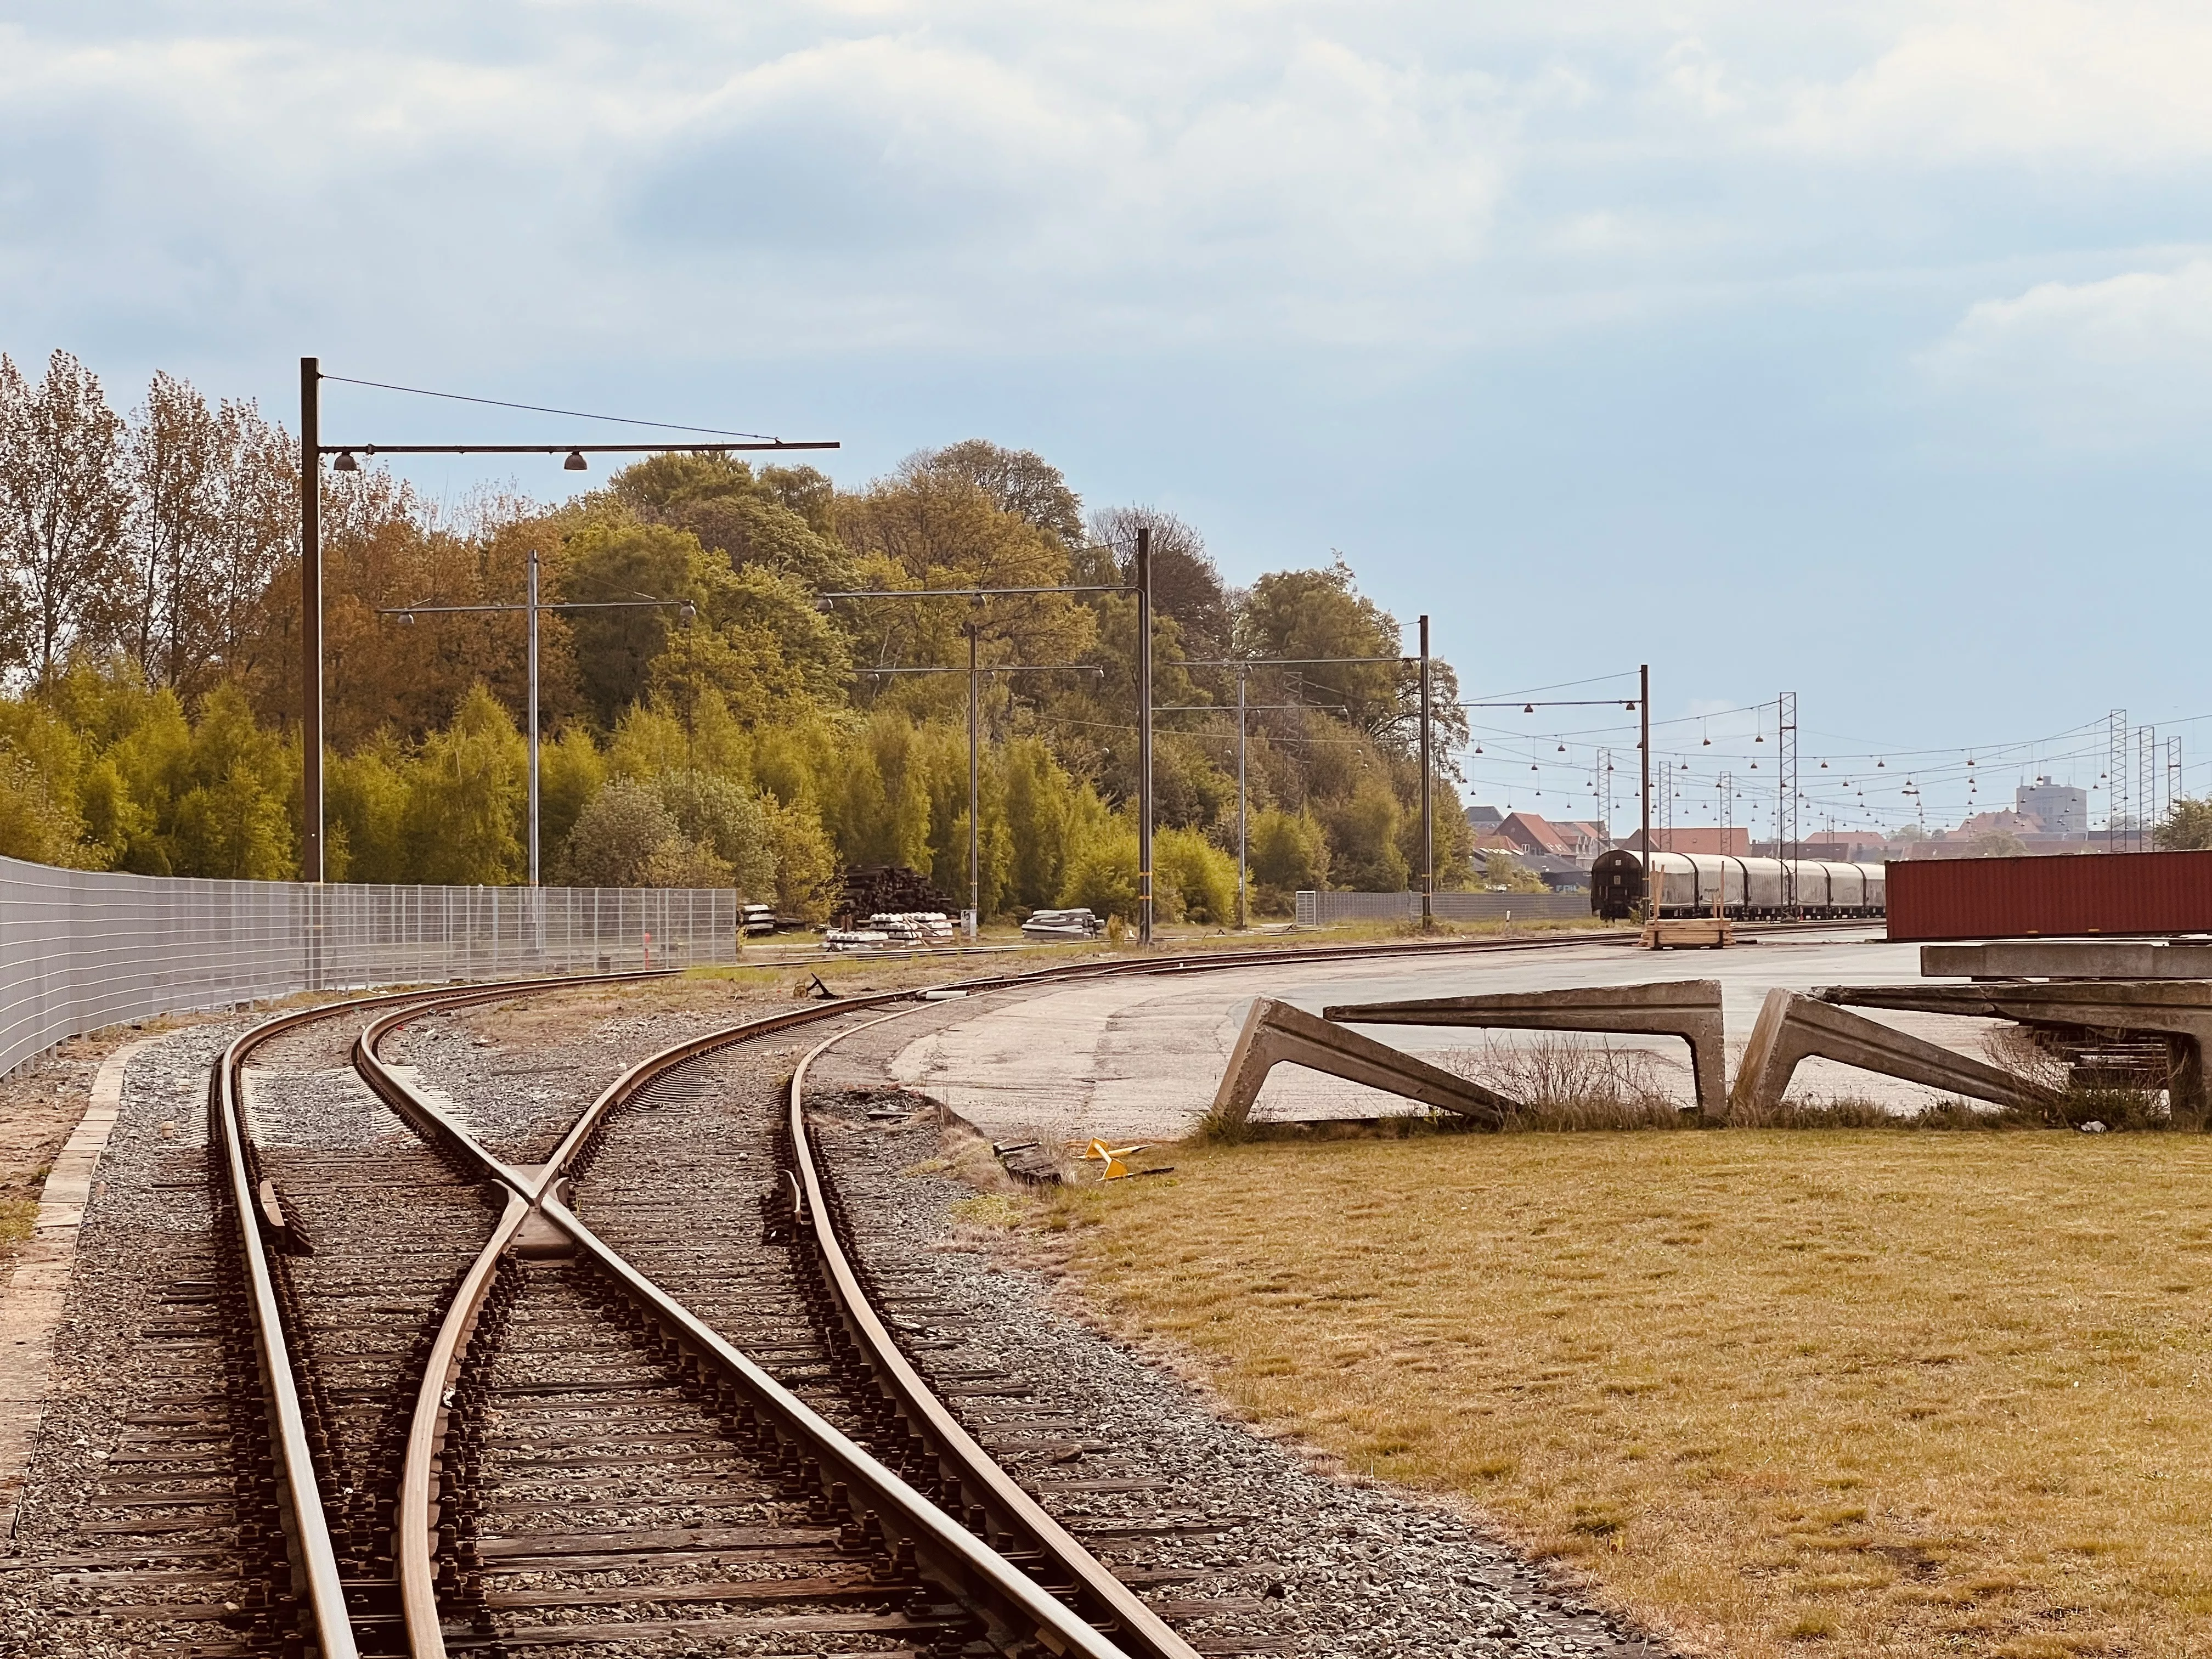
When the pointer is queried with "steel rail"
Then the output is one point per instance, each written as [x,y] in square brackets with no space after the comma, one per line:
[995,1588]
[995,1585]
[426,1431]
[990,1586]
[316,1576]
[1143,1631]
[316,1579]
[318,1583]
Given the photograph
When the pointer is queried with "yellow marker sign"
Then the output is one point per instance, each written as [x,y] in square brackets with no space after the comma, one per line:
[1111,1156]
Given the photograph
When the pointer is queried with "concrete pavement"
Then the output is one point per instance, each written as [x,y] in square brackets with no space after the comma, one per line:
[1139,1058]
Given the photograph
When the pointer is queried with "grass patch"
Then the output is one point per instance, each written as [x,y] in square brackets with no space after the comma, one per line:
[1878,1394]
[17,1217]
[992,1210]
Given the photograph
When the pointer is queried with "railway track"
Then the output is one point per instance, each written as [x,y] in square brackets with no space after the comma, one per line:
[519,1385]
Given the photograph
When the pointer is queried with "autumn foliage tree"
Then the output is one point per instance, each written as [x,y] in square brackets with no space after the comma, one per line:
[734,735]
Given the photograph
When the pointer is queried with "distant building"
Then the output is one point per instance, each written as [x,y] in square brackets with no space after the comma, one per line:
[1533,833]
[1561,875]
[1588,839]
[1484,820]
[2058,809]
[1708,840]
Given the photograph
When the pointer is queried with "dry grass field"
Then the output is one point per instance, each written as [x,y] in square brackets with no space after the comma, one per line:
[1851,1393]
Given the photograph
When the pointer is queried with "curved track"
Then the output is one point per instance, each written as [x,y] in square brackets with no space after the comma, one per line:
[577,1456]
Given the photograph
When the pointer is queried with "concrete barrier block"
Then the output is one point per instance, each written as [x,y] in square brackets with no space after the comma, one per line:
[2180,1011]
[1276,1034]
[2068,958]
[1793,1027]
[1689,1009]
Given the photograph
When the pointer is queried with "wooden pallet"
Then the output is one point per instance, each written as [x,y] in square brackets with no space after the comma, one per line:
[1687,934]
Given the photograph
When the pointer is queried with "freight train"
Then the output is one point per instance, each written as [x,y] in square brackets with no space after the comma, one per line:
[1746,887]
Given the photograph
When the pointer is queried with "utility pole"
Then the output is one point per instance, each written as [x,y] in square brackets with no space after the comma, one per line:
[1787,840]
[1643,755]
[1428,827]
[531,606]
[1144,736]
[1242,918]
[974,885]
[311,620]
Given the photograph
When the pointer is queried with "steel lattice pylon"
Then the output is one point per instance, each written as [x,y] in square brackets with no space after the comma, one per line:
[1786,845]
[2116,780]
[2172,778]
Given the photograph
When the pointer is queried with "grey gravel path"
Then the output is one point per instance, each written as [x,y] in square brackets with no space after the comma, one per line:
[146,1226]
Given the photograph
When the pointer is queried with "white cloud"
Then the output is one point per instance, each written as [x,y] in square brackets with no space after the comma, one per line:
[2124,360]
[2007,80]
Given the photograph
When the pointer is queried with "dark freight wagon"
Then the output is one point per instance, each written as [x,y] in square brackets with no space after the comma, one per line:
[1690,883]
[2052,897]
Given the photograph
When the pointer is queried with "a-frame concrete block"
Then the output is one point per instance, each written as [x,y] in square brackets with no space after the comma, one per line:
[1276,1034]
[1689,1009]
[2180,1011]
[1793,1027]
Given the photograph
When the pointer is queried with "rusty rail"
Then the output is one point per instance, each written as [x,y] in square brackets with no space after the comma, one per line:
[318,1587]
[1008,1597]
[1144,1631]
[978,1575]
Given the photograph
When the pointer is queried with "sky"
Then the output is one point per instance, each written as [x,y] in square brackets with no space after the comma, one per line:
[1856,350]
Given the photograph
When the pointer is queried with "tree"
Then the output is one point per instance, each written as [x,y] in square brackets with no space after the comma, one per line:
[1320,615]
[365,809]
[1101,869]
[617,835]
[1363,835]
[233,813]
[34,825]
[805,859]
[615,648]
[466,794]
[1016,481]
[2187,827]
[175,460]
[1186,582]
[1286,853]
[64,502]
[1197,880]
[715,813]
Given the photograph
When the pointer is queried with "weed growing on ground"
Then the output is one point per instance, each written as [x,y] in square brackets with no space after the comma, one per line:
[17,1217]
[1560,1085]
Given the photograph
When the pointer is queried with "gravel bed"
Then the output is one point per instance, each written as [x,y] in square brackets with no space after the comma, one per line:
[518,1094]
[148,1226]
[1340,1568]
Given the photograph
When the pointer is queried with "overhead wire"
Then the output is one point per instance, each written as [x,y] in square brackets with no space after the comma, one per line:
[540,409]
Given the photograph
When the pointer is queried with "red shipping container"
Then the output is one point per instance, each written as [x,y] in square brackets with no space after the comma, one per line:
[2051,898]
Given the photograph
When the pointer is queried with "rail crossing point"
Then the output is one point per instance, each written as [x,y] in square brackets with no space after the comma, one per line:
[1277,1034]
[1793,1027]
[1689,1009]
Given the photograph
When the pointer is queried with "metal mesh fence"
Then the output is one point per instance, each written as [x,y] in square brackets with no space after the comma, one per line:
[83,949]
[1315,910]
